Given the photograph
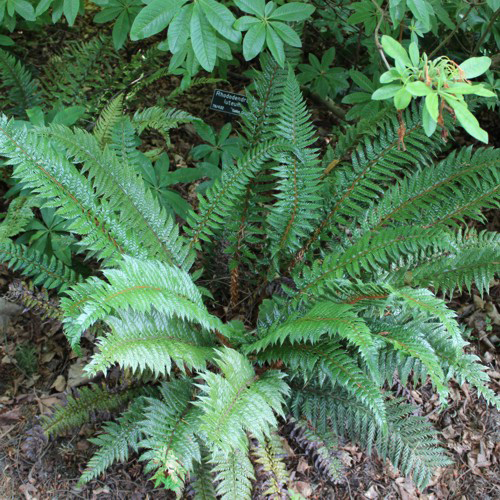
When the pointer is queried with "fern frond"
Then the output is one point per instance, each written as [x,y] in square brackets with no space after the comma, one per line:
[408,340]
[433,195]
[78,410]
[373,166]
[124,143]
[23,91]
[170,425]
[320,446]
[227,192]
[410,442]
[151,341]
[107,120]
[162,120]
[467,368]
[37,301]
[298,175]
[263,110]
[17,217]
[203,482]
[140,285]
[124,189]
[268,455]
[325,318]
[116,440]
[239,400]
[424,300]
[234,474]
[46,271]
[70,77]
[371,252]
[328,361]
[47,172]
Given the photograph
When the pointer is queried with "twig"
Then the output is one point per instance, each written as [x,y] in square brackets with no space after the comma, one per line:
[377,41]
[486,31]
[452,33]
[326,102]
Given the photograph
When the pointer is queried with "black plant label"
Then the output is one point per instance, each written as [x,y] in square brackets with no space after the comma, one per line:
[228,102]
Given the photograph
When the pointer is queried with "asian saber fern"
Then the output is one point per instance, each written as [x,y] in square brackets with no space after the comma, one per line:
[354,242]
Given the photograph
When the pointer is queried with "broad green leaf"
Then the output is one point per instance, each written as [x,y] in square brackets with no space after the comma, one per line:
[254,41]
[390,76]
[36,116]
[42,7]
[71,8]
[402,98]
[428,122]
[422,11]
[475,66]
[120,29]
[418,89]
[275,45]
[154,18]
[6,41]
[465,88]
[395,50]
[293,11]
[255,7]
[356,98]
[26,10]
[69,116]
[287,34]
[244,23]
[221,19]
[386,92]
[361,80]
[203,39]
[414,55]
[432,105]
[467,120]
[178,31]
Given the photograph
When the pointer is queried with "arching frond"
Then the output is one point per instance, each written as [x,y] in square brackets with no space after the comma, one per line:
[46,271]
[151,341]
[239,400]
[115,441]
[140,285]
[170,425]
[121,185]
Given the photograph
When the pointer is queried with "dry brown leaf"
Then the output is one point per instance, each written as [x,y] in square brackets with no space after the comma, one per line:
[59,384]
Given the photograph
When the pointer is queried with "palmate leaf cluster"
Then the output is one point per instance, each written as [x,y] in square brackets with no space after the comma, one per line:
[356,243]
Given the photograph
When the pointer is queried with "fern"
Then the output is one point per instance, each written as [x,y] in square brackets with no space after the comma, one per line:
[17,217]
[46,271]
[23,91]
[335,262]
[234,474]
[116,440]
[70,78]
[239,401]
[298,175]
[121,185]
[109,117]
[151,341]
[410,442]
[268,457]
[320,446]
[169,426]
[78,410]
[141,285]
[50,175]
[161,120]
